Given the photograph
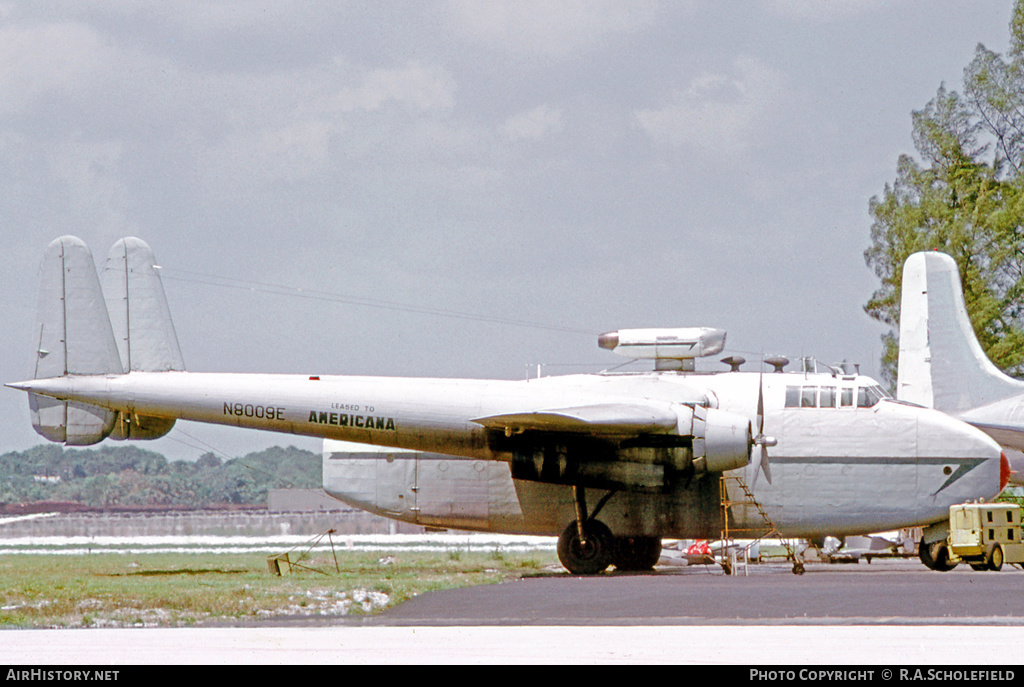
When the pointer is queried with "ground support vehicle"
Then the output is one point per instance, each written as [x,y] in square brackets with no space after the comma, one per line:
[985,535]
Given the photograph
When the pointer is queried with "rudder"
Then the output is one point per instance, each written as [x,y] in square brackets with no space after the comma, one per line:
[109,324]
[73,337]
[142,326]
[137,305]
[941,364]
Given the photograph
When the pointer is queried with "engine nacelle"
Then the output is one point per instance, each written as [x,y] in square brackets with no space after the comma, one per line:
[708,441]
[721,440]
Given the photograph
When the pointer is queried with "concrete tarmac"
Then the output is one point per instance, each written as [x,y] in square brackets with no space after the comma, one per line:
[890,615]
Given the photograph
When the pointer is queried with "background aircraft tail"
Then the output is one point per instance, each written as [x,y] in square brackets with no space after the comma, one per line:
[89,326]
[941,363]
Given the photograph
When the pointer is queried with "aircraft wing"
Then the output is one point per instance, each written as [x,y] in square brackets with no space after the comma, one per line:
[604,418]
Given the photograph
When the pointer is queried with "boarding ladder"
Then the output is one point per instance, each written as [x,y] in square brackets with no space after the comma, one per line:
[730,562]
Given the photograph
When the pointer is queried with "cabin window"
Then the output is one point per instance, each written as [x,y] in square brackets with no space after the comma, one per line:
[846,398]
[827,399]
[792,397]
[809,397]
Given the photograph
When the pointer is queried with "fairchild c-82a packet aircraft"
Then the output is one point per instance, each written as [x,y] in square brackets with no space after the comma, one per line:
[609,462]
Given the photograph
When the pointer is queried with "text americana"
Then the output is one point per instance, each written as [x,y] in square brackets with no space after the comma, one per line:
[347,420]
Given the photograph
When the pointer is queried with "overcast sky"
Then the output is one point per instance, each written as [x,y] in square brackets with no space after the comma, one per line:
[566,167]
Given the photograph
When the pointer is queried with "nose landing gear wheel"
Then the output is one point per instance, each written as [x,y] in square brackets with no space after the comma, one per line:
[587,556]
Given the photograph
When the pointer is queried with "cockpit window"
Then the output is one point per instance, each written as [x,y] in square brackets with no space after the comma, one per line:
[827,396]
[867,396]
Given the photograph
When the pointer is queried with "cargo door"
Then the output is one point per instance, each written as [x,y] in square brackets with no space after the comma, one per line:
[396,484]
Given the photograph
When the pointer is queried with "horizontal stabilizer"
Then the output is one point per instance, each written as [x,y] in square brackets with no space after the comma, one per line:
[609,418]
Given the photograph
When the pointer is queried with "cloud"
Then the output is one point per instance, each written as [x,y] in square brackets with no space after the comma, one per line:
[549,27]
[534,124]
[201,18]
[416,85]
[823,10]
[718,114]
[47,58]
[296,150]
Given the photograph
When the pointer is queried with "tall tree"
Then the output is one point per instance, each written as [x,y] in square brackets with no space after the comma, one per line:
[966,198]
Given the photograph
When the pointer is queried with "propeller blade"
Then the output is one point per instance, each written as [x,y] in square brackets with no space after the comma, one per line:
[755,464]
[760,404]
[761,441]
[764,463]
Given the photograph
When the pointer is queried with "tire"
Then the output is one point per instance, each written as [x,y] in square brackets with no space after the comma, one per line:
[636,553]
[940,554]
[590,558]
[994,557]
[924,554]
[935,556]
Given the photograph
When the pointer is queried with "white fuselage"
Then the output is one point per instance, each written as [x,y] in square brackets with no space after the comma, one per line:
[837,469]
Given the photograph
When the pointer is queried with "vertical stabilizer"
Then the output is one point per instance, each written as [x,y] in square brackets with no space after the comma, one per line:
[138,310]
[73,337]
[941,363]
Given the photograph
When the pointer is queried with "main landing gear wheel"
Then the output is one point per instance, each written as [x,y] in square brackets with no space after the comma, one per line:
[935,556]
[589,556]
[636,553]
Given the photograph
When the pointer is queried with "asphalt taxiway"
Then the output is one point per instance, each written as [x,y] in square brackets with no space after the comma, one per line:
[898,591]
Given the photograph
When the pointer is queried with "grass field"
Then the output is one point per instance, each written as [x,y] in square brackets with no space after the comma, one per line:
[152,589]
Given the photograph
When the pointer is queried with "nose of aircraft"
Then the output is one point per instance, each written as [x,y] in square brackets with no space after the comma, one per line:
[957,462]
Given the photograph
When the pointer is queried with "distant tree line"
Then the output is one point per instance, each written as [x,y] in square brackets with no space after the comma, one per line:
[126,476]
